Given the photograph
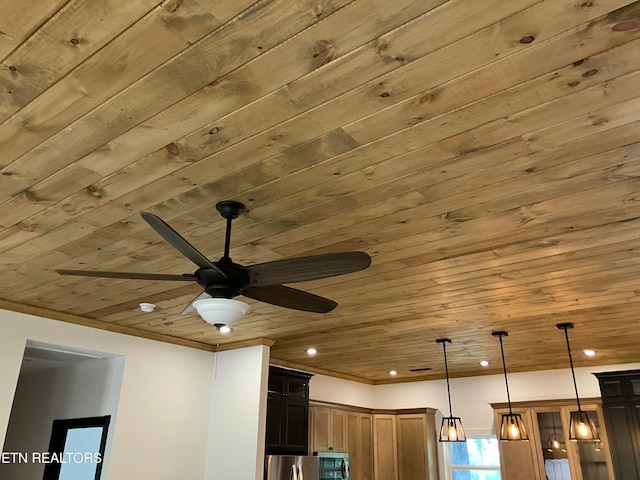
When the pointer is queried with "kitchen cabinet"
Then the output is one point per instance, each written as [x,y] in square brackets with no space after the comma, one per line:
[405,445]
[287,427]
[621,406]
[385,447]
[360,444]
[417,446]
[549,454]
[382,444]
[329,429]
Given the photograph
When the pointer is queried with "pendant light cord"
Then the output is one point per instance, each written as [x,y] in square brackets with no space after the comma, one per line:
[504,366]
[575,384]
[446,370]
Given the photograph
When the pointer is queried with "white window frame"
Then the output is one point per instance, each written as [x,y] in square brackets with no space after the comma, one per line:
[449,468]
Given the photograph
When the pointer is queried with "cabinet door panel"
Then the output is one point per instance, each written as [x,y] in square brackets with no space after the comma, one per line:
[518,459]
[412,445]
[338,441]
[275,419]
[321,427]
[354,445]
[621,438]
[366,447]
[296,429]
[385,447]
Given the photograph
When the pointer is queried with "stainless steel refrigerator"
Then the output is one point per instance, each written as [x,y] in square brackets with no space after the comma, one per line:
[324,466]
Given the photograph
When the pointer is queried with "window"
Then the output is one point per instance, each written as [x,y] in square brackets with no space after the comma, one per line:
[475,459]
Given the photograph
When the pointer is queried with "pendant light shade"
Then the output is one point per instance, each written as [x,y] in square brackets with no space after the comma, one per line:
[555,440]
[512,427]
[582,427]
[451,429]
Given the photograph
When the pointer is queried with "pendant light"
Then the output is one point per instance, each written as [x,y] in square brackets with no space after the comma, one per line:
[512,426]
[555,440]
[581,427]
[451,429]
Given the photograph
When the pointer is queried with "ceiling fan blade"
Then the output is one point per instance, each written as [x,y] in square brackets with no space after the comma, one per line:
[129,275]
[307,268]
[290,298]
[190,308]
[178,242]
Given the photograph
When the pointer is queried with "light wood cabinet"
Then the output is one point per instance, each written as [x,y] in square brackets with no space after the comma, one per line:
[385,447]
[405,446]
[329,429]
[417,446]
[538,458]
[382,444]
[360,445]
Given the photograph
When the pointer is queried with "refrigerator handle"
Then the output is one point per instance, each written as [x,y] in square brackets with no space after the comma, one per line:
[300,475]
[294,472]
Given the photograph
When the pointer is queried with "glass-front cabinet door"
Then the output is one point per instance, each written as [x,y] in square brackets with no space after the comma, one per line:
[553,445]
[592,459]
[553,456]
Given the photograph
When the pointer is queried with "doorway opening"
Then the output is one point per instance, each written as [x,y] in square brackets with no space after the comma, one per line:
[62,386]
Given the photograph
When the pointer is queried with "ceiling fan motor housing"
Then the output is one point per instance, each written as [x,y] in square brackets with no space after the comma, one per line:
[218,286]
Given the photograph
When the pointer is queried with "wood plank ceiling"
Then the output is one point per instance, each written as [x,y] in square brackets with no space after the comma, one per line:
[484,153]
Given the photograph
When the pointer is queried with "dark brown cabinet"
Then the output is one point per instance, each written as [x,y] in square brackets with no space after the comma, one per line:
[287,429]
[621,405]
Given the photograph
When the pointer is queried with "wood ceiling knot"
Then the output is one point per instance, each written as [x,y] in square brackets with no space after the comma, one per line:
[170,6]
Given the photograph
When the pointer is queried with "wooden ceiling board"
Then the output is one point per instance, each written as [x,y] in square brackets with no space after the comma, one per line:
[485,154]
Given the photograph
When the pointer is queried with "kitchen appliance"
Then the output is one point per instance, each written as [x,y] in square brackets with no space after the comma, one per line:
[320,466]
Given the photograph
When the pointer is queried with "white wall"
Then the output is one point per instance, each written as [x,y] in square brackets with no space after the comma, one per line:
[336,390]
[238,415]
[471,397]
[161,429]
[87,389]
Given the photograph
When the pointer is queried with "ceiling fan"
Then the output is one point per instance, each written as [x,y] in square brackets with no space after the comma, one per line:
[225,279]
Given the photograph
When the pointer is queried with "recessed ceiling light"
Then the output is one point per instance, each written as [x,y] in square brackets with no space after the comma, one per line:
[484,363]
[393,372]
[311,351]
[589,353]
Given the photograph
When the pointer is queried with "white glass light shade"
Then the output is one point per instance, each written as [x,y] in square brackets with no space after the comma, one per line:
[223,311]
[451,430]
[582,427]
[512,427]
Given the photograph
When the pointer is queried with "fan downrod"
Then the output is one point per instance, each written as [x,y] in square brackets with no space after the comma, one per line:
[230,209]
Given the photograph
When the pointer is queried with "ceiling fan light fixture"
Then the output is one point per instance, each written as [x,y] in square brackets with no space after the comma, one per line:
[222,328]
[223,311]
